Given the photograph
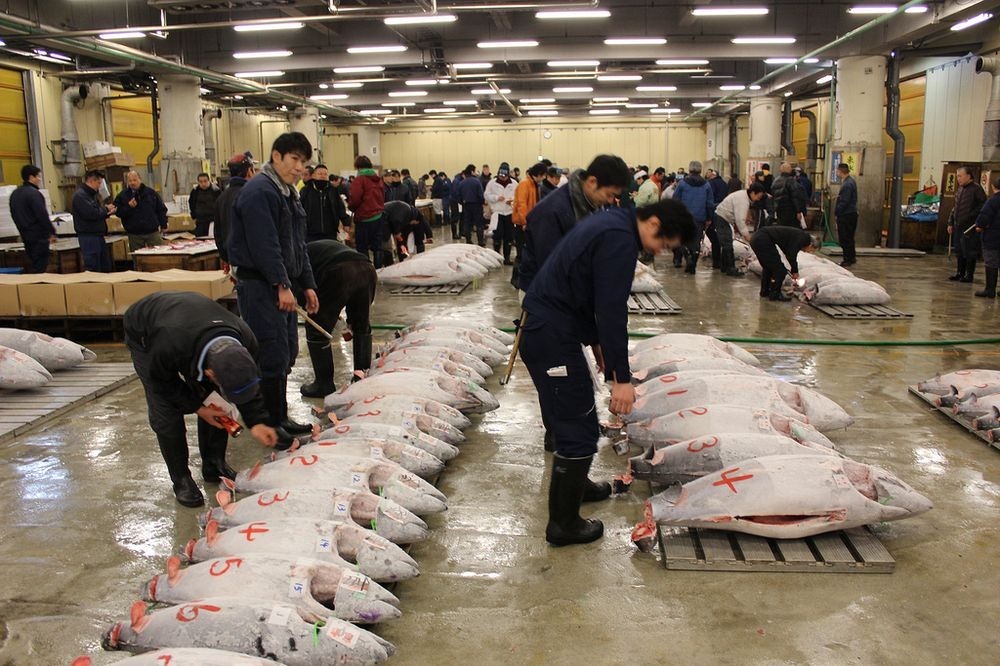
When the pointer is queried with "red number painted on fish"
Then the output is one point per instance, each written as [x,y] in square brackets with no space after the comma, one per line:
[252,529]
[668,379]
[731,481]
[302,460]
[374,412]
[696,411]
[229,564]
[342,429]
[702,444]
[190,612]
[165,658]
[274,498]
[677,392]
[370,399]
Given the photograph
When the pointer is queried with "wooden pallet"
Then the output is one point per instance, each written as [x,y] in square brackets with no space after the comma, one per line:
[850,551]
[963,420]
[862,311]
[876,252]
[433,290]
[652,303]
[21,411]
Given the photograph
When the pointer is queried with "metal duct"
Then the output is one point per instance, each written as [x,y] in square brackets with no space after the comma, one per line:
[786,129]
[898,148]
[734,148]
[72,157]
[812,143]
[991,130]
[154,104]
[207,116]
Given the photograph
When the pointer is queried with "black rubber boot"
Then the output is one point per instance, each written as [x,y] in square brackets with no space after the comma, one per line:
[272,390]
[692,264]
[361,346]
[322,362]
[970,271]
[776,295]
[289,425]
[175,454]
[566,489]
[187,492]
[960,271]
[991,284]
[596,492]
[212,444]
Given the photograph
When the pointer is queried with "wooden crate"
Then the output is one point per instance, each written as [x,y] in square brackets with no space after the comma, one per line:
[202,261]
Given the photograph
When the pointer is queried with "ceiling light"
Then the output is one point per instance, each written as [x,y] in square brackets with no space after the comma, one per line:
[754,87]
[537,100]
[730,11]
[732,87]
[619,77]
[323,86]
[51,56]
[367,69]
[916,9]
[439,109]
[780,61]
[641,105]
[394,104]
[389,48]
[124,34]
[656,88]
[701,105]
[872,9]
[674,61]
[249,55]
[975,20]
[473,65]
[544,112]
[607,100]
[823,80]
[574,14]
[811,61]
[763,40]
[574,63]
[237,97]
[261,27]
[420,19]
[375,112]
[204,91]
[605,112]
[259,75]
[515,44]
[490,91]
[347,85]
[461,102]
[3,43]
[788,93]
[408,93]
[421,82]
[319,98]
[682,70]
[536,107]
[664,110]
[573,89]
[635,41]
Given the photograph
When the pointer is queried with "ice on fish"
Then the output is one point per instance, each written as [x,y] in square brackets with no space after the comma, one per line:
[19,371]
[456,370]
[425,355]
[52,353]
[406,433]
[187,657]
[427,384]
[371,405]
[693,341]
[962,385]
[429,425]
[435,339]
[664,362]
[486,329]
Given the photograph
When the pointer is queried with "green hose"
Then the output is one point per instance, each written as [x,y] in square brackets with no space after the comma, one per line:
[792,341]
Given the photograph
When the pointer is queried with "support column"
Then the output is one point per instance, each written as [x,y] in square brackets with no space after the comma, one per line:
[369,144]
[858,138]
[717,145]
[765,128]
[305,119]
[182,136]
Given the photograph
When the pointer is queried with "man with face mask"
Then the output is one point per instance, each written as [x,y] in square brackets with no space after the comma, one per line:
[500,197]
[320,201]
[142,212]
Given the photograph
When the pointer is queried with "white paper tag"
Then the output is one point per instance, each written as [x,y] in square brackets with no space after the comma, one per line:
[324,544]
[214,398]
[558,371]
[297,588]
[377,453]
[343,633]
[341,508]
[357,479]
[279,616]
[353,581]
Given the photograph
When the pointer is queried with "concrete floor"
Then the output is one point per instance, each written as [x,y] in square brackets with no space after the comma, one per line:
[89,516]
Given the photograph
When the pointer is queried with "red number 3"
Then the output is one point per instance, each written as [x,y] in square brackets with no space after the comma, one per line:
[702,444]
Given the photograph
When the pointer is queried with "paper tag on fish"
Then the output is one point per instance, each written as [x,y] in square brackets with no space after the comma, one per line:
[341,507]
[343,633]
[355,582]
[324,544]
[407,481]
[377,453]
[396,432]
[438,366]
[297,588]
[358,479]
[409,424]
[279,616]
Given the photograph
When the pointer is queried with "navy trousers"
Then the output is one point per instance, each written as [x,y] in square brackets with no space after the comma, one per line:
[96,256]
[276,331]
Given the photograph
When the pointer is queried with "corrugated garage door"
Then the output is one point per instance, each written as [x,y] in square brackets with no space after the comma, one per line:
[132,120]
[15,150]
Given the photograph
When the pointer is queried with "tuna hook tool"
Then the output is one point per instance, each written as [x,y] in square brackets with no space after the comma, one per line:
[309,320]
[513,352]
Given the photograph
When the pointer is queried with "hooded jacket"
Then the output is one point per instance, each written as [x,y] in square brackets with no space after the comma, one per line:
[367,196]
[525,199]
[697,196]
[789,196]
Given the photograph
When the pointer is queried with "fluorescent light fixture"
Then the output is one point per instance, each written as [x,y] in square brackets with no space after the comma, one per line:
[543,112]
[421,19]
[490,91]
[824,79]
[788,93]
[730,11]
[408,93]
[3,43]
[811,61]
[609,100]
[656,88]
[641,105]
[421,82]
[682,70]
[388,48]
[461,102]
[334,96]
[323,86]
[122,34]
[574,63]
[763,40]
[975,20]
[780,61]
[537,100]
[573,89]
[635,41]
[51,56]
[701,105]
[375,112]
[367,69]
[605,112]
[204,91]
[573,14]
[732,87]
[536,107]
[347,85]
[250,55]
[270,73]
[394,104]
[885,9]
[439,109]
[473,65]
[511,44]
[680,62]
[263,27]
[668,111]
[754,88]
[237,97]
[916,9]
[619,77]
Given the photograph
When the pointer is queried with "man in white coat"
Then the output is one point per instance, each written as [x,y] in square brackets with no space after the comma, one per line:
[500,197]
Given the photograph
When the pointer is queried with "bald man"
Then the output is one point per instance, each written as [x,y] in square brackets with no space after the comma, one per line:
[142,212]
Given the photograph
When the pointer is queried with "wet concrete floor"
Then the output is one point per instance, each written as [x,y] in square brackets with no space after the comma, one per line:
[89,516]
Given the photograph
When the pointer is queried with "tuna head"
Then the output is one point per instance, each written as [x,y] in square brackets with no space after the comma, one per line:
[376,556]
[897,498]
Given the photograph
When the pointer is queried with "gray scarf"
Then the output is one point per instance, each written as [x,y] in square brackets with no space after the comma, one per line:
[581,204]
[285,189]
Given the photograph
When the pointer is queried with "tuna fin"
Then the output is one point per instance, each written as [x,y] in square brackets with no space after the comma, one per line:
[256,470]
[138,615]
[229,484]
[173,569]
[211,531]
[88,355]
[189,549]
[223,498]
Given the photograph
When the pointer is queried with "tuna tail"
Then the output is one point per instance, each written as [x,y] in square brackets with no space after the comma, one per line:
[211,531]
[644,534]
[225,500]
[230,484]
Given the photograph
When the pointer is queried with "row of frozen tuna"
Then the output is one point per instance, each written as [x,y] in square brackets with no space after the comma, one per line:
[456,263]
[28,358]
[974,393]
[288,571]
[749,449]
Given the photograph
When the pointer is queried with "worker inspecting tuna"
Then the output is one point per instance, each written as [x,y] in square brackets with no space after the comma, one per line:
[579,297]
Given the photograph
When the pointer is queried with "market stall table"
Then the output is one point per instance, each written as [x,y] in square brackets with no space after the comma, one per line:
[188,255]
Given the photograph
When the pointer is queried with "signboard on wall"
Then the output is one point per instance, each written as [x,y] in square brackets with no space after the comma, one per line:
[753,166]
[850,158]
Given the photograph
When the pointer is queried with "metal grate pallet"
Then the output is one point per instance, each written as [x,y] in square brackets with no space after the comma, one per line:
[963,420]
[652,303]
[22,410]
[849,551]
[431,290]
[862,311]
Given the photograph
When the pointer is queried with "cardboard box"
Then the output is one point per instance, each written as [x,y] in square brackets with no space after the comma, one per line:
[211,284]
[115,225]
[90,294]
[10,303]
[43,295]
[182,222]
[130,286]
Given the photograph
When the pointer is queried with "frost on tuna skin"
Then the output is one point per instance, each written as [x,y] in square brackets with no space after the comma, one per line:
[20,371]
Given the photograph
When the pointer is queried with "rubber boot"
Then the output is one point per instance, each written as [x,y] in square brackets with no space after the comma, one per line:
[322,362]
[175,455]
[692,264]
[678,258]
[362,351]
[970,271]
[569,480]
[960,271]
[212,444]
[596,492]
[991,284]
[286,423]
[481,236]
[276,406]
[729,263]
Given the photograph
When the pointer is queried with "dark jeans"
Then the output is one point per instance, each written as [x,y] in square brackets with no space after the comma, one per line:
[38,255]
[446,211]
[276,331]
[713,238]
[991,257]
[373,236]
[847,226]
[201,227]
[773,272]
[349,284]
[472,216]
[504,235]
[96,256]
[454,217]
[724,235]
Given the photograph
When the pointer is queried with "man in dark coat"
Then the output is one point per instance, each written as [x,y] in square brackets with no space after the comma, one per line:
[142,212]
[789,198]
[988,227]
[241,169]
[324,208]
[846,212]
[473,198]
[201,204]
[31,217]
[90,221]
[765,243]
[969,200]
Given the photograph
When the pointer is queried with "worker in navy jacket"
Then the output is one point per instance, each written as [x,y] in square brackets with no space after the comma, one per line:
[696,194]
[988,227]
[846,212]
[142,212]
[31,217]
[90,222]
[473,197]
[580,297]
[267,250]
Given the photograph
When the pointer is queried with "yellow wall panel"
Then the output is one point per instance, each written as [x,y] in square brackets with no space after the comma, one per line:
[338,152]
[10,78]
[132,120]
[15,150]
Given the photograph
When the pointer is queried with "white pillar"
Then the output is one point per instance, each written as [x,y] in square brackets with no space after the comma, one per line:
[717,145]
[305,119]
[860,99]
[765,127]
[181,132]
[369,144]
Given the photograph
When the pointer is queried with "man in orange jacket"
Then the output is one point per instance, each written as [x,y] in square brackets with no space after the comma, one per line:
[525,198]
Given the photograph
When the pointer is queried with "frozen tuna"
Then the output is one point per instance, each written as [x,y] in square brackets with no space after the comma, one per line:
[693,341]
[20,371]
[485,329]
[429,425]
[187,657]
[360,506]
[663,362]
[461,333]
[372,405]
[644,281]
[52,353]
[465,396]
[962,385]
[438,339]
[325,540]
[393,362]
[408,457]
[426,273]
[282,632]
[424,355]
[847,291]
[784,497]
[406,433]
[322,588]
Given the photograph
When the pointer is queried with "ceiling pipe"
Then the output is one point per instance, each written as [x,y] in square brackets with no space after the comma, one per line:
[898,148]
[72,158]
[812,143]
[96,71]
[991,130]
[787,123]
[510,105]
[874,23]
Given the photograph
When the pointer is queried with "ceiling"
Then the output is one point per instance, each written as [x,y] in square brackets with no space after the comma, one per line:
[423,78]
